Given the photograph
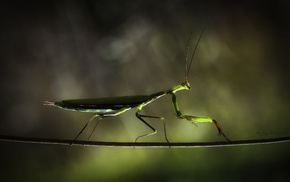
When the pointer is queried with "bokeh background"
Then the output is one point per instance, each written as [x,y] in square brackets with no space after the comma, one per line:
[84,49]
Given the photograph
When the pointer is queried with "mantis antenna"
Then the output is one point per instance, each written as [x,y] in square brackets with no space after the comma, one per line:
[187,66]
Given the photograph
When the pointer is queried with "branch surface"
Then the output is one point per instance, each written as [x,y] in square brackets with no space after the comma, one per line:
[6,138]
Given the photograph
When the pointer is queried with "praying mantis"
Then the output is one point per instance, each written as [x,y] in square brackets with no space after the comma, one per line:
[114,106]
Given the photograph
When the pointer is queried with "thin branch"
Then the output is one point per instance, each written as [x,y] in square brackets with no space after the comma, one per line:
[142,145]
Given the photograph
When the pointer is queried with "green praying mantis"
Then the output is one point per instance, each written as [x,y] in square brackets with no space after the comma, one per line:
[114,106]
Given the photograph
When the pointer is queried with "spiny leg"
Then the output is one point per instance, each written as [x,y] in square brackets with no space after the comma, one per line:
[220,130]
[195,119]
[139,116]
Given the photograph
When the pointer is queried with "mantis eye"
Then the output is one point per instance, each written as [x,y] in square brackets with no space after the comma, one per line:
[187,85]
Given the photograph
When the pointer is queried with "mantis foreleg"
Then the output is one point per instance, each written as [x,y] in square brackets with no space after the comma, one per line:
[194,119]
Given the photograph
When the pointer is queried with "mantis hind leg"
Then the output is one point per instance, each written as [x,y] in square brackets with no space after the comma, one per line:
[101,116]
[95,127]
[154,130]
[86,126]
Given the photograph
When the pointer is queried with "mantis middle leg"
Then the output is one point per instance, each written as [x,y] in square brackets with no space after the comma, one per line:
[139,116]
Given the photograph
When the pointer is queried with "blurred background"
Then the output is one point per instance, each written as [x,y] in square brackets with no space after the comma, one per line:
[61,50]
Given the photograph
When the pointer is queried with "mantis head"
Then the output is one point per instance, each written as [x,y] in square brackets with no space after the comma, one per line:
[186,85]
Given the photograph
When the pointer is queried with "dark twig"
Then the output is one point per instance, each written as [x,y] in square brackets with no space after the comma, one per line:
[142,145]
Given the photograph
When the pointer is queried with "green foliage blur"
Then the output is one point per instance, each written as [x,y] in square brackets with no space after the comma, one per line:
[65,49]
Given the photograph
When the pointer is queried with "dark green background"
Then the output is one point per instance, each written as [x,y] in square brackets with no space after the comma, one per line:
[80,49]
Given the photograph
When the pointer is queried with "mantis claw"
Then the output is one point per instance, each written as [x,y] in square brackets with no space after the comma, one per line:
[220,130]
